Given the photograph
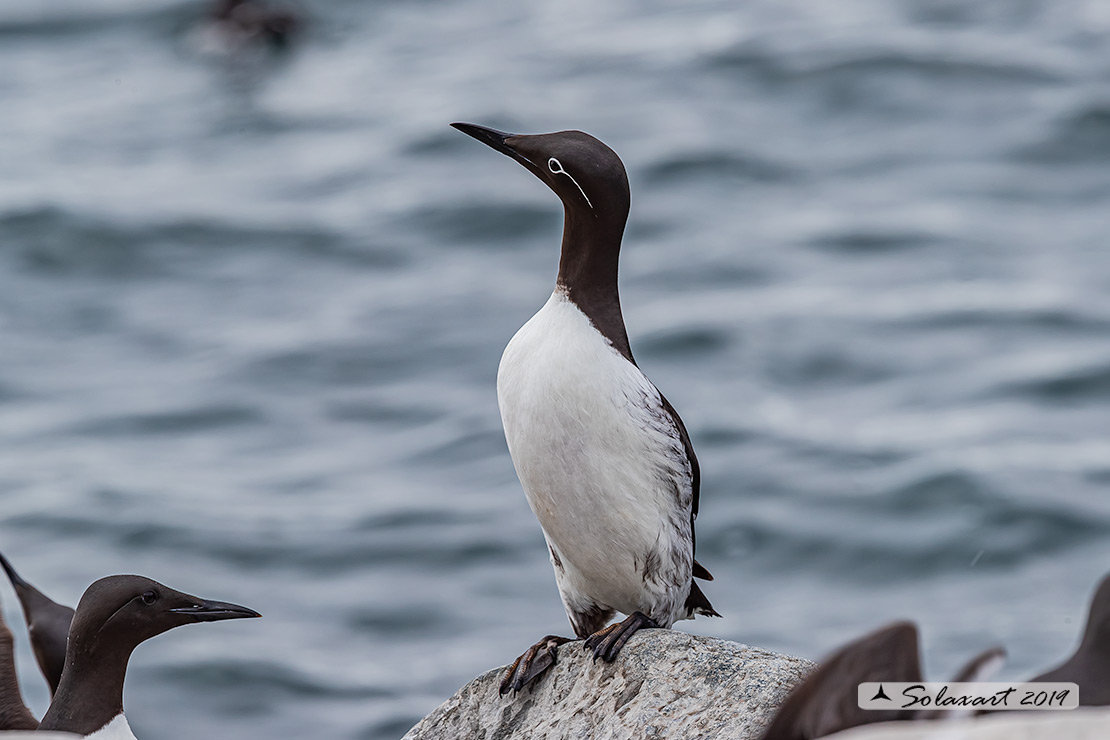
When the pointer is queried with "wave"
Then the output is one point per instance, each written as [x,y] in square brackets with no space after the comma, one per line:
[261,679]
[336,363]
[438,544]
[870,241]
[1077,385]
[699,166]
[54,241]
[91,20]
[483,223]
[184,421]
[687,342]
[860,64]
[1080,137]
[939,524]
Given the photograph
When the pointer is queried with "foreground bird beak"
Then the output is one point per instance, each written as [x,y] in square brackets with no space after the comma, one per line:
[214,611]
[488,136]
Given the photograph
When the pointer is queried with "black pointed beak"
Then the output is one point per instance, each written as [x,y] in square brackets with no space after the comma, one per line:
[488,136]
[214,611]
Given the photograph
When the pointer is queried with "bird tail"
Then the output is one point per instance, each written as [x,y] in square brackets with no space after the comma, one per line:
[697,603]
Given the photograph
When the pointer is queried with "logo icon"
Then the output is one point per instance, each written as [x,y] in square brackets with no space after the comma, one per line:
[881,694]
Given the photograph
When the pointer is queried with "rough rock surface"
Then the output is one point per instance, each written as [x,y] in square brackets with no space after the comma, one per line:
[664,685]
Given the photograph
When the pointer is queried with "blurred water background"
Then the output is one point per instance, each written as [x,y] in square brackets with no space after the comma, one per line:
[251,312]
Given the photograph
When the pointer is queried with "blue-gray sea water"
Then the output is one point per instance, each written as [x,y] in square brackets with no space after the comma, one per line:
[251,310]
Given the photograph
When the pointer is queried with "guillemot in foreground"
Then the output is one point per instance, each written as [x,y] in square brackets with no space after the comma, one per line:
[47,623]
[825,702]
[1089,665]
[114,616]
[604,459]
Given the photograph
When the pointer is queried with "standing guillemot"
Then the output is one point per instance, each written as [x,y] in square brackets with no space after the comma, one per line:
[604,459]
[48,624]
[826,700]
[14,714]
[114,616]
[1089,665]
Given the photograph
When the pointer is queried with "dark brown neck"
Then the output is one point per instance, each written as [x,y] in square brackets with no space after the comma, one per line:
[90,694]
[588,270]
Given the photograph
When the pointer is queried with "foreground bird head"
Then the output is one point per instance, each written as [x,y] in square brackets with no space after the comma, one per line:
[118,613]
[590,180]
[586,174]
[115,615]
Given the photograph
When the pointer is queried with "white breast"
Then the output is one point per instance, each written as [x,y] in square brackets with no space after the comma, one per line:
[599,459]
[117,729]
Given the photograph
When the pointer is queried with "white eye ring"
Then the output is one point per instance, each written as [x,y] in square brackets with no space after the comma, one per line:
[556,168]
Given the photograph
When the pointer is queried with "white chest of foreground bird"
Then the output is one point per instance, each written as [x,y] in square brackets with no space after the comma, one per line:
[602,466]
[603,458]
[117,729]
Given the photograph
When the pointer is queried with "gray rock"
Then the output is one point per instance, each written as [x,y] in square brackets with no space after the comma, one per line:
[664,685]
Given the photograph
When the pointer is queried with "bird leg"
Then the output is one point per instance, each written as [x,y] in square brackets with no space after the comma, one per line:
[607,642]
[530,666]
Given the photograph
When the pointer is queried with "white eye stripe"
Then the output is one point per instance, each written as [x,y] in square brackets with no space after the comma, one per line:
[556,168]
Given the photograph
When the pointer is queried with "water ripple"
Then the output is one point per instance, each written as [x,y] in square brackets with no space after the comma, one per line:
[250,319]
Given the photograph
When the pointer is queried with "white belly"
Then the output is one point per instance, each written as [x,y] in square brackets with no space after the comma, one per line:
[600,462]
[117,729]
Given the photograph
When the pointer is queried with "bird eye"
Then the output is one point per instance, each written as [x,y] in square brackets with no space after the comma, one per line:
[556,168]
[149,597]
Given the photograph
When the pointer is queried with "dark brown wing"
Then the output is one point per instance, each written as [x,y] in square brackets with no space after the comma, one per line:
[684,437]
[695,479]
[696,602]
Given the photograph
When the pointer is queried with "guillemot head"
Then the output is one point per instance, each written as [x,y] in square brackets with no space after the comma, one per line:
[586,174]
[590,179]
[118,613]
[115,615]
